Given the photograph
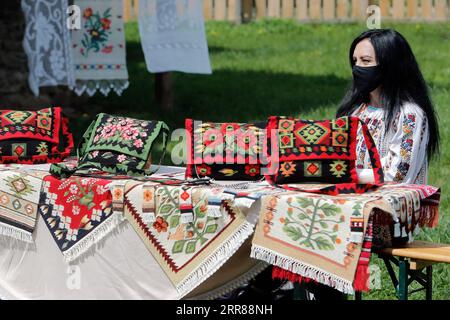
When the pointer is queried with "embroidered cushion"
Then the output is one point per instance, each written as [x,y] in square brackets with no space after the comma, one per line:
[117,145]
[30,137]
[224,151]
[317,151]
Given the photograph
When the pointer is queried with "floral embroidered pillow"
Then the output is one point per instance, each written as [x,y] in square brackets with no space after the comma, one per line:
[120,145]
[29,137]
[224,151]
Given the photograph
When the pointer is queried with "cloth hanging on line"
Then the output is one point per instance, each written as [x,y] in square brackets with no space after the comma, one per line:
[47,44]
[98,48]
[173,36]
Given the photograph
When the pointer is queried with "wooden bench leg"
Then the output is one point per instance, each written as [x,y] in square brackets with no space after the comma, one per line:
[429,286]
[403,282]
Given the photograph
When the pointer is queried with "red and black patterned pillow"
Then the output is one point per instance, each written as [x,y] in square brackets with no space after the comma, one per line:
[31,137]
[317,151]
[225,151]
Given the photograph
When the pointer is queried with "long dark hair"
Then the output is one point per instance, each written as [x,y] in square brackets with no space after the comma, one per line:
[402,81]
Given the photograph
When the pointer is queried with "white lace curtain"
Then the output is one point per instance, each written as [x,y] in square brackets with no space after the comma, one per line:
[47,44]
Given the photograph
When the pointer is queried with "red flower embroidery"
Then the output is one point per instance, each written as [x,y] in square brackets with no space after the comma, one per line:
[160,225]
[106,23]
[229,127]
[252,170]
[87,13]
[203,170]
[107,49]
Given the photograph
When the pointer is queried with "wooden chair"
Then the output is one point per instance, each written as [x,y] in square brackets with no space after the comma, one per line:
[415,263]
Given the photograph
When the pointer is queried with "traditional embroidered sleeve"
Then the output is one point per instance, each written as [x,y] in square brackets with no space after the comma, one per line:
[407,146]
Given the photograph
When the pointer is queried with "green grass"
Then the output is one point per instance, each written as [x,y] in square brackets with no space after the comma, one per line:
[285,68]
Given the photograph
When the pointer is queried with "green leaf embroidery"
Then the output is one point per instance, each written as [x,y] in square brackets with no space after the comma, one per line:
[190,248]
[293,232]
[212,228]
[174,221]
[330,209]
[324,244]
[166,208]
[178,246]
[305,202]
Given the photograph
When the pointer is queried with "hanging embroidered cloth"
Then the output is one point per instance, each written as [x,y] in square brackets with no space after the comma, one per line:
[321,237]
[99,48]
[78,212]
[47,44]
[19,197]
[173,36]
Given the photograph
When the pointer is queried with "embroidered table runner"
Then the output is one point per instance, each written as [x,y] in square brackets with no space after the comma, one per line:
[78,212]
[320,237]
[190,230]
[99,48]
[19,197]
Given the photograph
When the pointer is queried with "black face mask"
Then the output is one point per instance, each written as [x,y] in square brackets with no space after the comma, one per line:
[366,79]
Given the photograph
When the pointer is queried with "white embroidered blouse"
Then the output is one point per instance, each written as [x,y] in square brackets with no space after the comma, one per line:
[403,150]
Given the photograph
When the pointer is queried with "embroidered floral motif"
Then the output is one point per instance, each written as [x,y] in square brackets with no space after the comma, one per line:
[117,145]
[97,33]
[203,170]
[408,126]
[73,209]
[252,170]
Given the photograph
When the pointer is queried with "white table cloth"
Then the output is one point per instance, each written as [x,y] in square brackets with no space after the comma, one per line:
[119,267]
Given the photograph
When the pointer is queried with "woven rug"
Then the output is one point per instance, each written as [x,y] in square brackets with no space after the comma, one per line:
[189,241]
[19,197]
[315,236]
[407,207]
[78,212]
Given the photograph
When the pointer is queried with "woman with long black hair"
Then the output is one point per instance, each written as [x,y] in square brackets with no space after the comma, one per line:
[389,93]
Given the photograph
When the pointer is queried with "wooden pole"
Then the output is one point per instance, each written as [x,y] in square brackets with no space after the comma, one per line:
[164,91]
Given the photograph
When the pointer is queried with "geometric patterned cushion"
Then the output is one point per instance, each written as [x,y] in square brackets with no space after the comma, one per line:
[224,151]
[34,136]
[314,151]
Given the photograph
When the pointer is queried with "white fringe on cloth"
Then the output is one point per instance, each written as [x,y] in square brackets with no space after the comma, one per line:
[93,237]
[244,202]
[302,269]
[216,260]
[215,211]
[15,233]
[234,284]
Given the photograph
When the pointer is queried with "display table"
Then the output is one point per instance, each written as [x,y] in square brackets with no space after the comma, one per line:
[102,260]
